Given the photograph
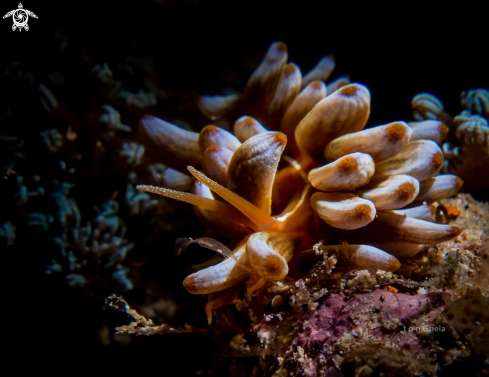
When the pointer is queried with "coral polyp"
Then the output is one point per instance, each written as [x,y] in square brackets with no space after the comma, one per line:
[299,169]
[467,150]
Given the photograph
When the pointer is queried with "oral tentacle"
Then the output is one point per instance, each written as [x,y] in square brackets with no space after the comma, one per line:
[258,217]
[223,209]
[215,221]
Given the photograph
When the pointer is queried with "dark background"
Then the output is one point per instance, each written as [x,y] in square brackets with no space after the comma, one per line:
[205,47]
[396,51]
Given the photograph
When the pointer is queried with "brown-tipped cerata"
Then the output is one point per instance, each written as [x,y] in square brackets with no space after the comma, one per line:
[390,227]
[391,192]
[288,88]
[379,142]
[261,86]
[219,277]
[340,82]
[343,210]
[437,188]
[300,106]
[268,253]
[216,107]
[172,145]
[342,112]
[227,226]
[174,180]
[346,173]
[215,163]
[429,129]
[353,256]
[321,71]
[423,212]
[252,168]
[246,127]
[420,159]
[212,135]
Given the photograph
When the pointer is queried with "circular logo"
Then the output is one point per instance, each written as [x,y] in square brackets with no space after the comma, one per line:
[20,17]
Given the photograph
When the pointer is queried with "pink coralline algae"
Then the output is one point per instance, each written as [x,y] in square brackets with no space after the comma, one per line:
[385,312]
[341,324]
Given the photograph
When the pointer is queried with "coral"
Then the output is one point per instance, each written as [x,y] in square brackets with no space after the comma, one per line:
[139,203]
[476,101]
[53,139]
[99,244]
[7,232]
[70,141]
[472,129]
[467,151]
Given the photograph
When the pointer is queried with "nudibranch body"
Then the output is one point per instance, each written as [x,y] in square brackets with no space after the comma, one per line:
[298,166]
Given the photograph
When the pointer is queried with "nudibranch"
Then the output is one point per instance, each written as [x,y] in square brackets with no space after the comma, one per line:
[298,166]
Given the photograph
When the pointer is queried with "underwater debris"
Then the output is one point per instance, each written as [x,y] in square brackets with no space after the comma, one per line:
[376,359]
[142,326]
[469,320]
